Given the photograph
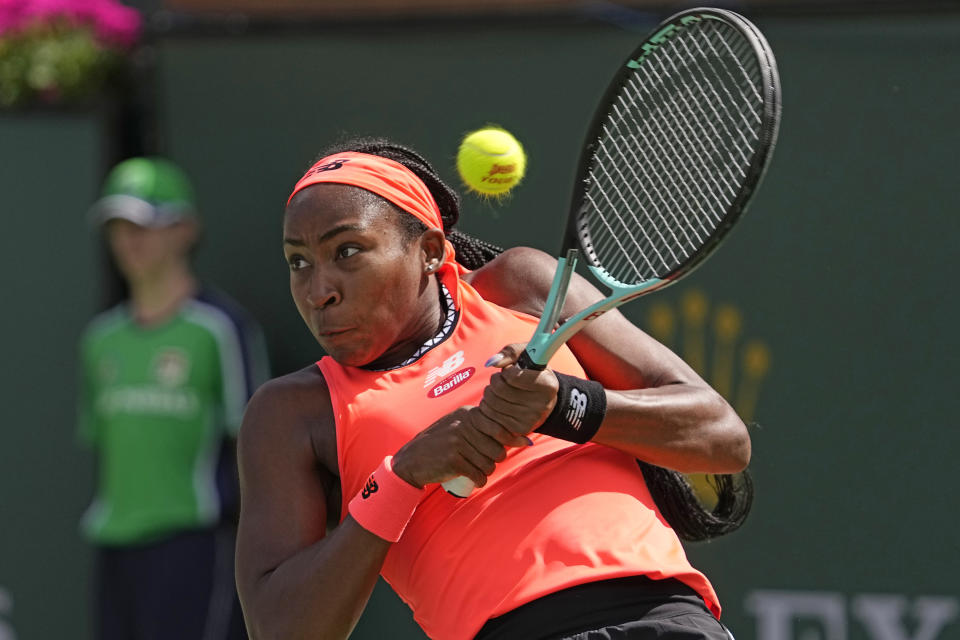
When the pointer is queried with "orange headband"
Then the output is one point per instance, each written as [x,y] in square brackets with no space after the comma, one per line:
[383,177]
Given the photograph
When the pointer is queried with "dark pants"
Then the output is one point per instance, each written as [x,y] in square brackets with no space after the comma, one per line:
[633,608]
[694,626]
[181,587]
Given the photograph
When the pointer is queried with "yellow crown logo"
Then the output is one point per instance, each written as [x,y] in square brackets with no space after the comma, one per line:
[710,339]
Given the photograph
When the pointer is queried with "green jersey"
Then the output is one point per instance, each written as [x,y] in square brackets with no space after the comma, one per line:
[157,404]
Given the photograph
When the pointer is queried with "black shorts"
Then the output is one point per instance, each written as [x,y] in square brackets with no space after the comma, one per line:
[633,608]
[181,587]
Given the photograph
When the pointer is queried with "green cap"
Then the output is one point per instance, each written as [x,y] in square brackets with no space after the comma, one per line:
[150,192]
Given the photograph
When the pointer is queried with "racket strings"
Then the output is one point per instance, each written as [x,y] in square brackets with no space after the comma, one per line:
[654,188]
[744,99]
[659,175]
[712,124]
[661,249]
[693,146]
[707,127]
[665,110]
[625,245]
[612,195]
[673,154]
[688,166]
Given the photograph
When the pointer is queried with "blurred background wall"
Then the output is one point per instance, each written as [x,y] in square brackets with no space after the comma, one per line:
[827,317]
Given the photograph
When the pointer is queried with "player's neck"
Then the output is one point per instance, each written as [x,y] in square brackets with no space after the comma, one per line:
[436,323]
[155,299]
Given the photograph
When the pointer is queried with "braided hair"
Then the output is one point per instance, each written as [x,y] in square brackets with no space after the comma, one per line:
[673,494]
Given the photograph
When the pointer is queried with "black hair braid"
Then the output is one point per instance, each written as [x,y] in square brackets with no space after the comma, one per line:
[686,514]
[471,252]
[670,490]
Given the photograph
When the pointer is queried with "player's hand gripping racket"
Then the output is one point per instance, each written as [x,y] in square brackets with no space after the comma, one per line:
[673,156]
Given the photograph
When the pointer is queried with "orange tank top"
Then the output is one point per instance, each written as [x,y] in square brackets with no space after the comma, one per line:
[551,516]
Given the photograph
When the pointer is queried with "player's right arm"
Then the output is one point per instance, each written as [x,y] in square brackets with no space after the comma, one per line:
[294,580]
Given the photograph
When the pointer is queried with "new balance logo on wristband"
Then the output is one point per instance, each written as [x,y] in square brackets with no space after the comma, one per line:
[581,405]
[370,488]
[576,408]
[387,516]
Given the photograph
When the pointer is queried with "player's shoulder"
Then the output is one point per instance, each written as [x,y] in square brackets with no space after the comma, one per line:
[288,412]
[301,391]
[517,260]
[519,279]
[300,397]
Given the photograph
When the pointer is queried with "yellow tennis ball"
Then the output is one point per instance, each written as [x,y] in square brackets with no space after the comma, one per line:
[491,161]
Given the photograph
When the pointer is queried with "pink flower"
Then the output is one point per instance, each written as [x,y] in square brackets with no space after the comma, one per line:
[113,23]
[11,15]
[49,10]
[119,24]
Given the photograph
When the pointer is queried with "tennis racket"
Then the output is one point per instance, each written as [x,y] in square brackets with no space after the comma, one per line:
[675,151]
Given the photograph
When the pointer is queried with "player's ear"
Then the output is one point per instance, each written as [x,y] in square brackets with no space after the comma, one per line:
[432,249]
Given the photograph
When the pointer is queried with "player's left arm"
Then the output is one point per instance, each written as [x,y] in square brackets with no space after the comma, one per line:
[657,408]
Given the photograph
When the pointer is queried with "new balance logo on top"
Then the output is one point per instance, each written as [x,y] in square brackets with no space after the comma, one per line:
[448,366]
[369,489]
[576,408]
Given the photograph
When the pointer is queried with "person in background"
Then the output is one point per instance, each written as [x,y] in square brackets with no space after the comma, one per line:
[165,377]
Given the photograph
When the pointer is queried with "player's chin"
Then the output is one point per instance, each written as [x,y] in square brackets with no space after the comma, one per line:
[345,351]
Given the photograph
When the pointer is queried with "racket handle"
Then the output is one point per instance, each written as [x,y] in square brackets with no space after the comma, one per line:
[460,487]
[526,362]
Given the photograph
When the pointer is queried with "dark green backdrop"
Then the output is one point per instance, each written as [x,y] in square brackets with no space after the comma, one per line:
[839,276]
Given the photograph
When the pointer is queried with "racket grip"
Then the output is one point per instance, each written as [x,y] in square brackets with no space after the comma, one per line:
[526,362]
[460,487]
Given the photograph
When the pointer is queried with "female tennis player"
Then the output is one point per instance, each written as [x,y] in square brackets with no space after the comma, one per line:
[341,462]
